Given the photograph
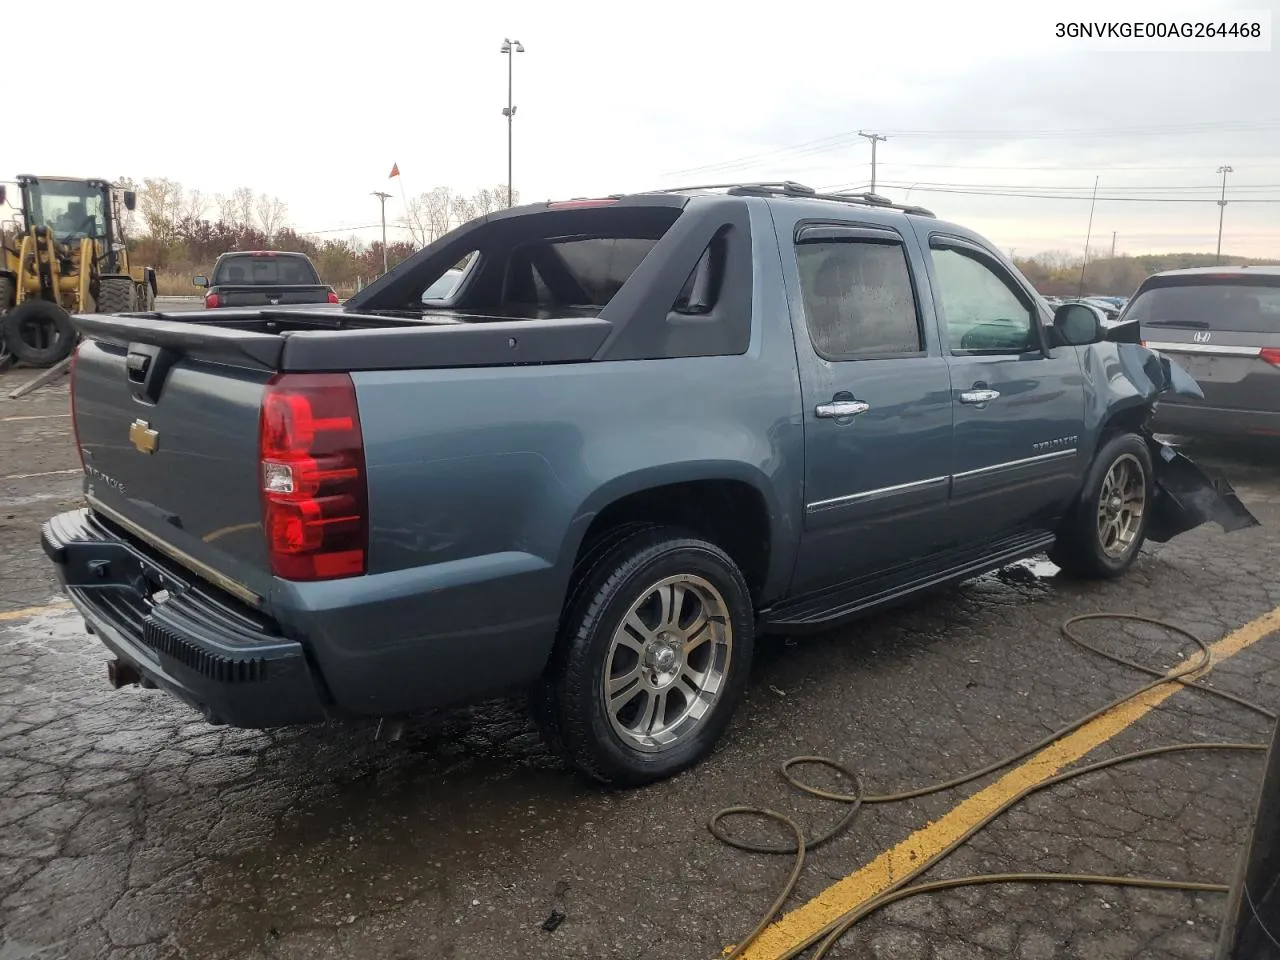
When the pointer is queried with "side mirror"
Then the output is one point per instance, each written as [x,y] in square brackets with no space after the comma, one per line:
[130,200]
[1078,324]
[200,281]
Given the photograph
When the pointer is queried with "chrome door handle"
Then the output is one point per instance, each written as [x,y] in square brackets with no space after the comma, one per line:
[839,409]
[979,396]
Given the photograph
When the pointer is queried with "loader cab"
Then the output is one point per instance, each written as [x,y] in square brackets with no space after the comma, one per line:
[72,210]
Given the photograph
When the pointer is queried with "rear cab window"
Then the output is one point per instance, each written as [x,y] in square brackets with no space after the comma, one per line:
[265,270]
[575,273]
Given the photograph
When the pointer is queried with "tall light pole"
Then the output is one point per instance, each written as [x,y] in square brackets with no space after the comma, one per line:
[873,137]
[510,48]
[383,197]
[1222,207]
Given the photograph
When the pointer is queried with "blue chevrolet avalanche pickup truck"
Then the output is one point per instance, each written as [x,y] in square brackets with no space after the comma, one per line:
[636,432]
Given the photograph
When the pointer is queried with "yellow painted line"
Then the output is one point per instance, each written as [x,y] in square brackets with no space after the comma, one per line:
[875,877]
[26,612]
[35,416]
[33,476]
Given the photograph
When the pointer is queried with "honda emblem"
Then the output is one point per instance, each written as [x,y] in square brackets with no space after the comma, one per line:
[1200,336]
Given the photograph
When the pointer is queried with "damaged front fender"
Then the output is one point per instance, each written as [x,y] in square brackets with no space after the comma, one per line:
[1153,373]
[1186,497]
[1124,374]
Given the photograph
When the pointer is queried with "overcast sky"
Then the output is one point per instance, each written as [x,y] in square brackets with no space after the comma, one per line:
[316,106]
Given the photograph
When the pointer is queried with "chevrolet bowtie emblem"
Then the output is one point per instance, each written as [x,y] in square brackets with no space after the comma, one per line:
[143,437]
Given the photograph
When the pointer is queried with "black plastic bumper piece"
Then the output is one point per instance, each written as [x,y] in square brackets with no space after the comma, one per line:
[222,658]
[1187,497]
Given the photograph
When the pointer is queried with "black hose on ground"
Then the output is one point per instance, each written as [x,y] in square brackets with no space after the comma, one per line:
[828,936]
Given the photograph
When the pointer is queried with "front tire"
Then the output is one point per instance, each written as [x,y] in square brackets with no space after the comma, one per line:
[651,660]
[1103,535]
[117,295]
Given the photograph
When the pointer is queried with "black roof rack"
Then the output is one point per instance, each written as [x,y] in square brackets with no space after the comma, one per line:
[789,188]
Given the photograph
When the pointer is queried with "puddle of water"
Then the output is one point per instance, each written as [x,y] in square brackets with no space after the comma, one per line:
[1034,571]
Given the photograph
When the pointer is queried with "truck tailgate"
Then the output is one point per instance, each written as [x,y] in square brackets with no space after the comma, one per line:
[170,448]
[262,295]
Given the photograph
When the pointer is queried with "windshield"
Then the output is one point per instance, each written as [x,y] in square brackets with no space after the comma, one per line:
[69,209]
[1238,307]
[265,269]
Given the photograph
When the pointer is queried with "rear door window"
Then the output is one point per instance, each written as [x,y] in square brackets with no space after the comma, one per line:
[859,303]
[1223,307]
[266,271]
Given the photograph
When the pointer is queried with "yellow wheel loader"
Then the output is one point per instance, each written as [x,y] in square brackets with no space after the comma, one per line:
[65,254]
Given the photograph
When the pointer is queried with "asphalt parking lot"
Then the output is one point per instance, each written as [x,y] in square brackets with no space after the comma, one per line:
[132,829]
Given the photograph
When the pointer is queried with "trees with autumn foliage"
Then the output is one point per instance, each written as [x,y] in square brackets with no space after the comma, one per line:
[1059,274]
[181,231]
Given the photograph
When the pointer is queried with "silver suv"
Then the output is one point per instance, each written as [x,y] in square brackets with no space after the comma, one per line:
[1222,324]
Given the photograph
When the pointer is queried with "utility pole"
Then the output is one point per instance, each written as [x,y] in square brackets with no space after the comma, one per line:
[1222,207]
[510,48]
[383,197]
[873,137]
[1087,237]
[1113,244]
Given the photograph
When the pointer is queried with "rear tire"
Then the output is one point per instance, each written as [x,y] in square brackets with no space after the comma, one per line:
[117,295]
[1103,535]
[38,332]
[676,675]
[146,298]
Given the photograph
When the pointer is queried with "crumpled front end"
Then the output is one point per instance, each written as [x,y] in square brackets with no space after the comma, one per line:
[1186,496]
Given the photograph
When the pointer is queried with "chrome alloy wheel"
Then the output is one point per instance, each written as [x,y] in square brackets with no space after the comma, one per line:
[1120,506]
[667,662]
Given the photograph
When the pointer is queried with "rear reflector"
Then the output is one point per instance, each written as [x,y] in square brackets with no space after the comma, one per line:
[314,494]
[1271,355]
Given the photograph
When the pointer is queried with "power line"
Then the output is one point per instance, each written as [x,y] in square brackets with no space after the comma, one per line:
[826,143]
[1061,196]
[836,141]
[1102,168]
[1082,189]
[1181,129]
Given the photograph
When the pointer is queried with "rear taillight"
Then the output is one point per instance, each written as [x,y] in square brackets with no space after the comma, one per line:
[75,424]
[1271,355]
[333,297]
[314,494]
[211,300]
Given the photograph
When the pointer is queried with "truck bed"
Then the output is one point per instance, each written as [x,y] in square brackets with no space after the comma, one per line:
[295,340]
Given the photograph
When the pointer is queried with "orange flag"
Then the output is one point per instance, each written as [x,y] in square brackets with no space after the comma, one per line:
[395,170]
